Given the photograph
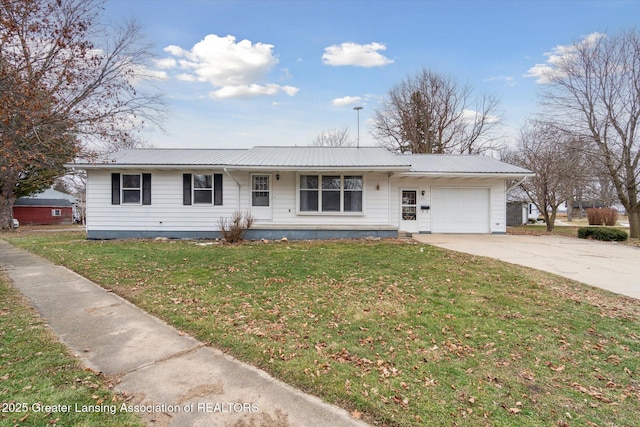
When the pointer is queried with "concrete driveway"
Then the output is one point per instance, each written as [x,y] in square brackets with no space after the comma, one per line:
[606,265]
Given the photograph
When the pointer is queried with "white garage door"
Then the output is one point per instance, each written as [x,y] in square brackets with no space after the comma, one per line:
[460,210]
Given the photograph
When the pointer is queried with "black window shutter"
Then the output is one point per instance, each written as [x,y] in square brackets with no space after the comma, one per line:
[186,188]
[115,188]
[146,188]
[217,189]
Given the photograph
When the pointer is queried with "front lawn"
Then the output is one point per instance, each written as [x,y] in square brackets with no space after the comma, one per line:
[396,333]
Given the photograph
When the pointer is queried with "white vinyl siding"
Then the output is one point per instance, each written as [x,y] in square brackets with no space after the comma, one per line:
[166,212]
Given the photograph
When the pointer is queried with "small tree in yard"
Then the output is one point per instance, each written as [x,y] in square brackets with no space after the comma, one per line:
[554,157]
[234,229]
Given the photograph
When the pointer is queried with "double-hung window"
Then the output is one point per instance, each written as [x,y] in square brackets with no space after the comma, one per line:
[309,193]
[331,193]
[353,193]
[131,188]
[202,189]
[331,186]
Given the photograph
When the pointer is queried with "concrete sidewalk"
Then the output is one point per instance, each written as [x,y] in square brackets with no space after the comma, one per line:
[185,382]
[605,265]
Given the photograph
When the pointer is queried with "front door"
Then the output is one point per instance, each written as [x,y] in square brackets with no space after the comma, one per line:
[409,211]
[261,197]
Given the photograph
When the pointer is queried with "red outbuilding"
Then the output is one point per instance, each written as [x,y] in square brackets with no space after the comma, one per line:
[50,207]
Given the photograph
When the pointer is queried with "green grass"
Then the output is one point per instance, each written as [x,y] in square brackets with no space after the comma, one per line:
[37,371]
[398,334]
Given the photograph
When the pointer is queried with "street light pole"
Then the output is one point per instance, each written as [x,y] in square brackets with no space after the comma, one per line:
[358,110]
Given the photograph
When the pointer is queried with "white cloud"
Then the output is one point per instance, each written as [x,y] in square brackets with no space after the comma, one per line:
[560,54]
[346,100]
[470,116]
[508,80]
[166,63]
[235,69]
[138,73]
[186,77]
[250,91]
[359,55]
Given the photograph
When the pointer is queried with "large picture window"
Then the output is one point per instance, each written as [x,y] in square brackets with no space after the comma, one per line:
[331,193]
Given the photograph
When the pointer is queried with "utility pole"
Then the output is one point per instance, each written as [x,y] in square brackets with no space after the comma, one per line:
[358,110]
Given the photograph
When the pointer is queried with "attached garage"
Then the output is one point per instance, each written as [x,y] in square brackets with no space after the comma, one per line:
[460,210]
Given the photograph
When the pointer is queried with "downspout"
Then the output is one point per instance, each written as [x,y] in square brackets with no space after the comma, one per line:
[516,184]
[389,200]
[228,172]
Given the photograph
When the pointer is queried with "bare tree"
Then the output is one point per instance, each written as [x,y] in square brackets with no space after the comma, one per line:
[594,90]
[66,87]
[333,138]
[557,161]
[432,113]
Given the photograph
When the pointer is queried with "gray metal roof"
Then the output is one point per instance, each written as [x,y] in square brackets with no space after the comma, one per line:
[460,164]
[167,157]
[301,158]
[257,157]
[321,157]
[25,201]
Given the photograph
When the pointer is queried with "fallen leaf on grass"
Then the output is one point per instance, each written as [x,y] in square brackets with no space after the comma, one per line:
[555,368]
[527,375]
[356,414]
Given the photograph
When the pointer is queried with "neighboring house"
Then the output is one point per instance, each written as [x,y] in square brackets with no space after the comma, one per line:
[294,192]
[47,207]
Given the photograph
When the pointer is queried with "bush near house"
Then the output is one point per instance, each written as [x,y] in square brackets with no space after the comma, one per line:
[602,216]
[234,229]
[606,234]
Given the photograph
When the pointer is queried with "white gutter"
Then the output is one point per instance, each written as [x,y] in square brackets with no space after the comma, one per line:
[237,168]
[464,174]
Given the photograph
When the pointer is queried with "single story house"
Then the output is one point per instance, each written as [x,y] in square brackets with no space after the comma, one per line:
[294,192]
[45,208]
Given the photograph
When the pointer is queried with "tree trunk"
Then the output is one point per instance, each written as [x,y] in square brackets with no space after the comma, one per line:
[549,219]
[634,222]
[7,198]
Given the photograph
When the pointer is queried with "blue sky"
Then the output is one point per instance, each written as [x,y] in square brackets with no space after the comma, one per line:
[237,74]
